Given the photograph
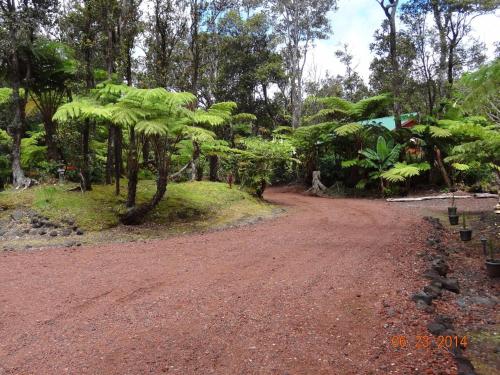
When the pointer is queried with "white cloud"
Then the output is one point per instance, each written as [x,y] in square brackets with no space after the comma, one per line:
[355,23]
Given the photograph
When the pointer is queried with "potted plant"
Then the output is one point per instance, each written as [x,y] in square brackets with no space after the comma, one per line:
[465,233]
[492,264]
[452,210]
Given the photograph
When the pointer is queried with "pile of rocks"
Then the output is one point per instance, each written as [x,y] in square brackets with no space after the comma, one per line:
[24,224]
[442,325]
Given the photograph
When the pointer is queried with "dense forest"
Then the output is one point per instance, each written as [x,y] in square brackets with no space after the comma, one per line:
[119,91]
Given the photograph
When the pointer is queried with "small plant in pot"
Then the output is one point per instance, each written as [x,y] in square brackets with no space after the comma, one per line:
[492,264]
[452,210]
[465,233]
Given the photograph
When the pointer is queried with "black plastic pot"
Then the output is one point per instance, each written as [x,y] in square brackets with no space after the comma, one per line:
[452,211]
[493,267]
[453,219]
[466,234]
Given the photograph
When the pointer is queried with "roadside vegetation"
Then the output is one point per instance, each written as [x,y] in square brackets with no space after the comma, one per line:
[226,99]
[201,204]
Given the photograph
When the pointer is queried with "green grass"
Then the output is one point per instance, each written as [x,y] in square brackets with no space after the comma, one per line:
[203,204]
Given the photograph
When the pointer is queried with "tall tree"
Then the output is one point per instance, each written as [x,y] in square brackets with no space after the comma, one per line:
[354,88]
[167,30]
[299,23]
[52,71]
[390,7]
[452,21]
[21,22]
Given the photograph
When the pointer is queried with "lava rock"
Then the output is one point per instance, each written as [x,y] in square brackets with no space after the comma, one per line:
[422,296]
[440,266]
[432,241]
[448,284]
[17,215]
[485,301]
[435,222]
[66,232]
[445,320]
[436,328]
[79,232]
[433,291]
[421,305]
[451,285]
[53,233]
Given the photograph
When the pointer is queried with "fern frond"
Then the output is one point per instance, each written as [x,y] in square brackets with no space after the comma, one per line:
[348,129]
[349,163]
[461,167]
[402,171]
[434,131]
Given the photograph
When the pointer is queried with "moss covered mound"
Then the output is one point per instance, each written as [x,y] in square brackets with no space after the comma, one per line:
[201,204]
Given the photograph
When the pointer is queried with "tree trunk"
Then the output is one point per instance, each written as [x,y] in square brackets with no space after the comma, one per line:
[194,161]
[214,167]
[133,169]
[317,187]
[194,47]
[261,188]
[16,130]
[17,127]
[442,169]
[118,158]
[86,184]
[136,215]
[110,156]
[128,67]
[443,47]
[53,152]
[110,58]
[145,153]
[451,65]
[396,86]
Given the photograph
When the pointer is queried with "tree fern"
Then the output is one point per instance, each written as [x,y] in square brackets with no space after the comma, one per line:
[434,131]
[348,129]
[402,171]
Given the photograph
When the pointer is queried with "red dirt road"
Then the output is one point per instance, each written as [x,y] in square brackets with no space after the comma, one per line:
[300,294]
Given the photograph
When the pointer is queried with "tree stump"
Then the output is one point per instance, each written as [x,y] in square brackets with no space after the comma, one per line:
[317,187]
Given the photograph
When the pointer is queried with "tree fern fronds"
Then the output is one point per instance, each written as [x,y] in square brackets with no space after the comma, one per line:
[348,129]
[402,171]
[434,131]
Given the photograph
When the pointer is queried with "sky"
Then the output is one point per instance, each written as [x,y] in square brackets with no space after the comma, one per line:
[355,22]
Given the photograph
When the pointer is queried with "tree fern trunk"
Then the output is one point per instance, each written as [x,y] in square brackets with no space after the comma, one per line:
[136,215]
[118,158]
[214,167]
[109,156]
[87,185]
[133,169]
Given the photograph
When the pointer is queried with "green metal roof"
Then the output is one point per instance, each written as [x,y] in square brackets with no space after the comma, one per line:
[388,122]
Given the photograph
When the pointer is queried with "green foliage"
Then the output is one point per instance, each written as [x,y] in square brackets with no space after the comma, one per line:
[82,108]
[334,108]
[5,145]
[402,171]
[431,130]
[32,153]
[348,129]
[188,205]
[5,95]
[477,92]
[380,159]
[259,160]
